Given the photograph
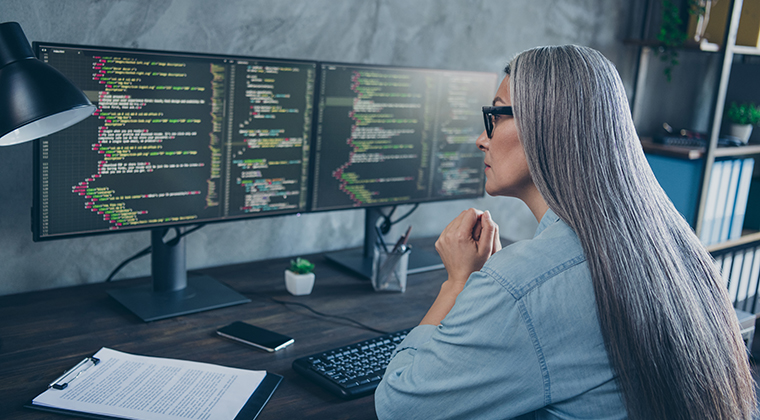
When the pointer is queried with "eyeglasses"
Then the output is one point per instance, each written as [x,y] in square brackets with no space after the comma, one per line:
[489,112]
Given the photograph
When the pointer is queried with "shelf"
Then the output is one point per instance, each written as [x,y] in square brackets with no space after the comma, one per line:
[693,46]
[753,149]
[742,49]
[694,153]
[682,152]
[687,46]
[745,239]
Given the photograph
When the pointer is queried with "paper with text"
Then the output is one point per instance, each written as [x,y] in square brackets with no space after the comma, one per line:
[152,388]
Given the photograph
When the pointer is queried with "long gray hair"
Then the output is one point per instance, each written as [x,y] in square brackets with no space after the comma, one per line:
[670,331]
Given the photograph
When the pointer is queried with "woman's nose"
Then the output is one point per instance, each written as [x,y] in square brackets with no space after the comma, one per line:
[482,141]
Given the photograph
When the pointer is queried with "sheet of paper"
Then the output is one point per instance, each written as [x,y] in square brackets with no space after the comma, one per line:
[150,388]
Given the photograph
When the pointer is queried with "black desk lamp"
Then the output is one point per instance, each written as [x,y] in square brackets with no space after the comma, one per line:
[35,99]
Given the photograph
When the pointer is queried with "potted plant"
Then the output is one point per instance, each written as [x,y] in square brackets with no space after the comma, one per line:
[672,33]
[299,278]
[741,118]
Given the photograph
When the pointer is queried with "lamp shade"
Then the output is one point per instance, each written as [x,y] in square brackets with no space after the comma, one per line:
[35,99]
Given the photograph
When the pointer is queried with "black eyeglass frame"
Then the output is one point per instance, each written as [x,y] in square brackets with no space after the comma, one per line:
[489,111]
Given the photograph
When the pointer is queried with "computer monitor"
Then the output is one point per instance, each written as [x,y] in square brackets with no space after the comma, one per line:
[389,135]
[177,139]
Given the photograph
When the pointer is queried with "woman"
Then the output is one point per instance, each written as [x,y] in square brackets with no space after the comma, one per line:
[613,310]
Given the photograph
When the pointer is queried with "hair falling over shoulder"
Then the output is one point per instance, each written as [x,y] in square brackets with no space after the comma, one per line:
[669,328]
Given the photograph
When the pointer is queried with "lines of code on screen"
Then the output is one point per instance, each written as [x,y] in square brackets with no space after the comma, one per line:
[175,139]
[391,136]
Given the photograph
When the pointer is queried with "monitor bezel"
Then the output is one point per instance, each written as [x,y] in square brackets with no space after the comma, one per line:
[36,200]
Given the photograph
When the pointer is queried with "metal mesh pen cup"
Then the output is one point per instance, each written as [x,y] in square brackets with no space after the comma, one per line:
[389,269]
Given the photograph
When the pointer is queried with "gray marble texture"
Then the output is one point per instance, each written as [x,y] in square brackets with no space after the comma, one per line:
[476,35]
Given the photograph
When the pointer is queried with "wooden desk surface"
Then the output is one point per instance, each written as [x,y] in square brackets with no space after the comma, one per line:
[44,333]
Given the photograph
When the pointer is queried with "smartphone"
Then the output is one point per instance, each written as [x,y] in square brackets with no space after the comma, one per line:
[255,336]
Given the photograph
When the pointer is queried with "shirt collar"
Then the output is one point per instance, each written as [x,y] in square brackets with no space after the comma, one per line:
[549,219]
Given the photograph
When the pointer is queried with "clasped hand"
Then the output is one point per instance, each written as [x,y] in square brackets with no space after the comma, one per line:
[467,243]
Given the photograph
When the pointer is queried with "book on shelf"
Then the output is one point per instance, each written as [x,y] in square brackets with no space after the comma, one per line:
[742,196]
[753,279]
[733,183]
[681,179]
[723,262]
[730,191]
[726,202]
[740,271]
[708,217]
[732,274]
[721,202]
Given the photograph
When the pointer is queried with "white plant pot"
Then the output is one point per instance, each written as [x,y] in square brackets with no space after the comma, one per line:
[741,131]
[299,284]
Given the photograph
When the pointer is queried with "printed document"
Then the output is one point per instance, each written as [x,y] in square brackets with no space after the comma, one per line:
[151,388]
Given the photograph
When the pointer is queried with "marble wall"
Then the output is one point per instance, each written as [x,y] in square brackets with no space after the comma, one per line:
[476,35]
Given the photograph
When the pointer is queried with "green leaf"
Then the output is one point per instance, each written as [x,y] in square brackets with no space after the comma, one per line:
[301,266]
[743,113]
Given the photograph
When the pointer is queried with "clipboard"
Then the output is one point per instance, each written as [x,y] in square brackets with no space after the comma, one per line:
[250,410]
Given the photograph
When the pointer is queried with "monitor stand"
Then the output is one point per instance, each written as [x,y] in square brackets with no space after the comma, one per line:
[359,260]
[172,293]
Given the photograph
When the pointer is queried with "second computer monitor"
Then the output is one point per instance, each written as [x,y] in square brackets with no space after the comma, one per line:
[388,136]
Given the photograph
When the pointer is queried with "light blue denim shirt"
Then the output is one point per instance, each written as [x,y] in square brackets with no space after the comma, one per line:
[522,341]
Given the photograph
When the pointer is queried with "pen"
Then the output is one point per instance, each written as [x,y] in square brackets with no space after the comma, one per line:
[403,239]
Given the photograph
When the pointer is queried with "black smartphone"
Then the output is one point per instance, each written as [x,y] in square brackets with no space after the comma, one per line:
[255,336]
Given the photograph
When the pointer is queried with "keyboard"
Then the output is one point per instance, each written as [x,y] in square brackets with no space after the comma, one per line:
[354,370]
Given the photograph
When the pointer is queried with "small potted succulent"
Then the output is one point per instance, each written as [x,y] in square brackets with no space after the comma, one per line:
[299,278]
[741,118]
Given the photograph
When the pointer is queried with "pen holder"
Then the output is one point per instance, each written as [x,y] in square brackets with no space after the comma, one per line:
[389,269]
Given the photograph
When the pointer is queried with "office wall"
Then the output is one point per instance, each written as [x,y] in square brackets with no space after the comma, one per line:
[461,35]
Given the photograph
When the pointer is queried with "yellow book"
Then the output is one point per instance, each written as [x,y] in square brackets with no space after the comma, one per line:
[711,26]
[749,24]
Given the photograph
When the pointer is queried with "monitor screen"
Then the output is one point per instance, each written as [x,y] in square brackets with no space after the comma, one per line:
[177,139]
[387,136]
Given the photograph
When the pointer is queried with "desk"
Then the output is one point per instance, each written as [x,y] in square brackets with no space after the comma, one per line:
[44,333]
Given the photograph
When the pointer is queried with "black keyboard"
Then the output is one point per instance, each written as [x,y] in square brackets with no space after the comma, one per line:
[354,370]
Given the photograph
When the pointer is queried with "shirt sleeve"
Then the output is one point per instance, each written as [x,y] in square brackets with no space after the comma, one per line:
[483,361]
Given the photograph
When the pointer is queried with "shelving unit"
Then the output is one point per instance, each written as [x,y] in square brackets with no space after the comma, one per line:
[738,259]
[729,49]
[712,151]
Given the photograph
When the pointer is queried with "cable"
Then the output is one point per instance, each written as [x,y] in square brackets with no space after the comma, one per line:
[140,254]
[284,302]
[385,227]
[407,214]
[147,250]
[185,233]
